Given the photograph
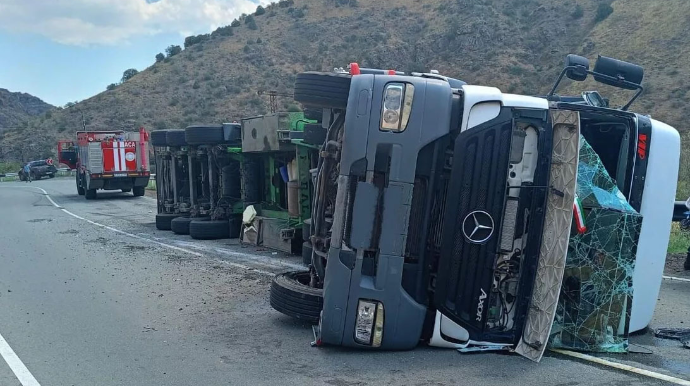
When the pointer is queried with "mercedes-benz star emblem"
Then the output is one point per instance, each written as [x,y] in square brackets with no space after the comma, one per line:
[478,226]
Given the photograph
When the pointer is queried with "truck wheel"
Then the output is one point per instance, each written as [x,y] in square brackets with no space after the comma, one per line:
[80,189]
[204,134]
[235,226]
[307,250]
[175,138]
[209,229]
[139,191]
[292,295]
[322,89]
[158,138]
[90,194]
[180,225]
[163,221]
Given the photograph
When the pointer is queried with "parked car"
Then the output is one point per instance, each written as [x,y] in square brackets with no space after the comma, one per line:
[39,169]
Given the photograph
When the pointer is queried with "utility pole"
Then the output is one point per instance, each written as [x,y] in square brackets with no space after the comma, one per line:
[273,98]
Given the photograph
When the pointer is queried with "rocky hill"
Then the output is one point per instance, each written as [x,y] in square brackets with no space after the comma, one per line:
[516,45]
[17,108]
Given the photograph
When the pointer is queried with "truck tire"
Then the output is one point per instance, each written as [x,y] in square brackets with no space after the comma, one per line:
[292,296]
[180,225]
[235,226]
[175,138]
[138,191]
[80,189]
[159,138]
[204,134]
[209,229]
[322,89]
[90,194]
[307,249]
[163,221]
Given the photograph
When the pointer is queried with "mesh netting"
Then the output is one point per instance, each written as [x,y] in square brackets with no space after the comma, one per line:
[593,310]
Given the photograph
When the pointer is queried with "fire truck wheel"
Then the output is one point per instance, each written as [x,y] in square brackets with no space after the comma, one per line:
[90,194]
[209,230]
[235,225]
[175,138]
[204,134]
[163,221]
[322,89]
[158,138]
[306,252]
[292,295]
[80,189]
[180,225]
[139,191]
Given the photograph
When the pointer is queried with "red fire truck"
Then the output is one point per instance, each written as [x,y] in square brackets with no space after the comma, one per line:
[108,160]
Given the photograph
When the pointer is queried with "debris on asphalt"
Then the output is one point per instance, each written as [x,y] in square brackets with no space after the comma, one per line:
[681,334]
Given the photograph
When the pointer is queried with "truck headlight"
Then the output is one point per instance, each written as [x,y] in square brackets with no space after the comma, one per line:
[397,104]
[369,323]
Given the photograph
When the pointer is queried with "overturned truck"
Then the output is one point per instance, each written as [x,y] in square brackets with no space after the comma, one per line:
[443,211]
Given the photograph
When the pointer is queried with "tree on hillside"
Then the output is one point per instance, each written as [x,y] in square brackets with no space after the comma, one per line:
[173,50]
[260,11]
[128,74]
[235,23]
[160,57]
[604,10]
[111,86]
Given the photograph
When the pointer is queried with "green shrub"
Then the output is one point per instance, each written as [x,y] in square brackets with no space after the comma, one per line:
[604,10]
[259,11]
[160,57]
[577,12]
[235,23]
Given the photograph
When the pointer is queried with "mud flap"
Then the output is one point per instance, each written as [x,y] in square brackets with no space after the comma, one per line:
[558,219]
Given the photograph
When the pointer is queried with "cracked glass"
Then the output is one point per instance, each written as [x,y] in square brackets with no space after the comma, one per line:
[594,305]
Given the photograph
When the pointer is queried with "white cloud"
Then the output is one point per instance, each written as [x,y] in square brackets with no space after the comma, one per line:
[110,22]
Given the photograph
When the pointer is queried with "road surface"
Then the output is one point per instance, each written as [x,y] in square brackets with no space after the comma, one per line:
[92,294]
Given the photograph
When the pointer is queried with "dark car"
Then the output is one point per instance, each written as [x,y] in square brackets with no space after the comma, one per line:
[39,169]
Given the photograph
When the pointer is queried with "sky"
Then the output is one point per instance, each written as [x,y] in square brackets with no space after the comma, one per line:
[68,50]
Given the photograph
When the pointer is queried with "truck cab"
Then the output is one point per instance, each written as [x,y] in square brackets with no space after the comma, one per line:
[448,221]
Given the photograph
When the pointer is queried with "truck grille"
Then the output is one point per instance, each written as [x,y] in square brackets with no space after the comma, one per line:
[416,221]
[477,183]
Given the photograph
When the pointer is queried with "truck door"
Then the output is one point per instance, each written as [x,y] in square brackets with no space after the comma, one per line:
[119,156]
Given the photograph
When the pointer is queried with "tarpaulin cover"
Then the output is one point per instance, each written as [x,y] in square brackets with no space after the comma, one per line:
[593,310]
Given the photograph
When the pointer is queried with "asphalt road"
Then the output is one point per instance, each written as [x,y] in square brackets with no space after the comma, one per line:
[118,304]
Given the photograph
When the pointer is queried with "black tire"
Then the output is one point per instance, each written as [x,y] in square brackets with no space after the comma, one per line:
[159,138]
[180,225]
[35,177]
[138,191]
[21,177]
[51,175]
[292,296]
[204,134]
[80,189]
[322,89]
[209,229]
[235,227]
[163,221]
[307,249]
[90,194]
[175,138]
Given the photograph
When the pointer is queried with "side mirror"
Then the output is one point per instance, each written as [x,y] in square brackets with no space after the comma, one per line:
[618,73]
[581,63]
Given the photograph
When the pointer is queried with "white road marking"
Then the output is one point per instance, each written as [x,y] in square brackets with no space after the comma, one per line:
[620,366]
[16,365]
[676,278]
[254,258]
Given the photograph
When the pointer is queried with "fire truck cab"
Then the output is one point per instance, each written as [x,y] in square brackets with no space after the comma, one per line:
[111,160]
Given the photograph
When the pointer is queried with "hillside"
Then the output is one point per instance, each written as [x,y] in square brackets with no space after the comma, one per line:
[517,45]
[17,108]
